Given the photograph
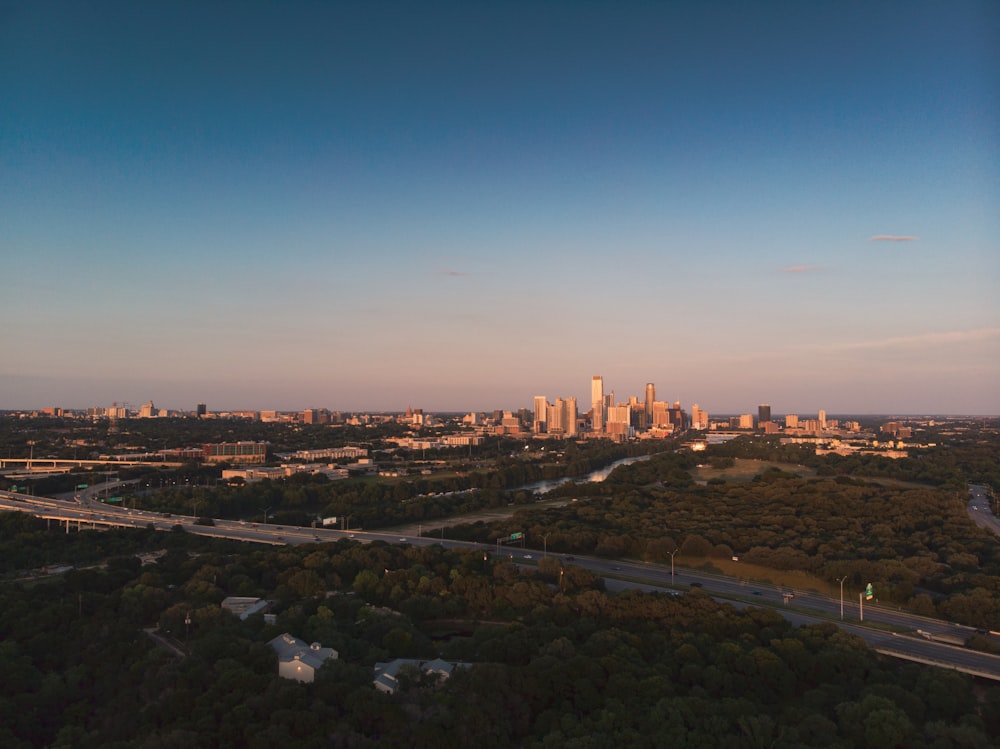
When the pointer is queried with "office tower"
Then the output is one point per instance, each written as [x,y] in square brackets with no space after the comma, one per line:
[510,423]
[638,411]
[619,422]
[661,415]
[553,418]
[822,420]
[746,421]
[541,417]
[699,418]
[202,410]
[677,417]
[650,398]
[569,416]
[597,403]
[763,415]
[791,421]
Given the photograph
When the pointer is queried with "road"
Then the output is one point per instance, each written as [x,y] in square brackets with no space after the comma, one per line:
[920,638]
[980,510]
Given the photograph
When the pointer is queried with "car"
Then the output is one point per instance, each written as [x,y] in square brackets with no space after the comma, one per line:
[351,536]
[401,538]
[757,593]
[527,556]
[316,538]
[617,569]
[696,585]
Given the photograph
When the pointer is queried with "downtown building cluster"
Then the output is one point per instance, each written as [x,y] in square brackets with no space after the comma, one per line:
[607,417]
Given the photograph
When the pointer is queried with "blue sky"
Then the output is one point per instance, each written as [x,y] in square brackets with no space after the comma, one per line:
[456,206]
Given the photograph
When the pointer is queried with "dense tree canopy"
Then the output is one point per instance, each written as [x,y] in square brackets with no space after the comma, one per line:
[554,661]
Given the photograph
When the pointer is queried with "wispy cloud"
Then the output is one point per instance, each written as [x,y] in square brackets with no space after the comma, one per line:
[798,269]
[923,339]
[893,238]
[452,273]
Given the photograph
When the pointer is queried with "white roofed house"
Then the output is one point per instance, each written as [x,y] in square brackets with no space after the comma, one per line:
[299,661]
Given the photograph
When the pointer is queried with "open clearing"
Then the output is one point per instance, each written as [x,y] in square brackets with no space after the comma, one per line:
[745,469]
[752,573]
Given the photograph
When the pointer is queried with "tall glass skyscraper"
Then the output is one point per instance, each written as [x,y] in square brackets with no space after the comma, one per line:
[597,403]
[650,398]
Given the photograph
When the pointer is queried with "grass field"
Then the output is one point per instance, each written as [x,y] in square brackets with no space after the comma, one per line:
[746,469]
[752,573]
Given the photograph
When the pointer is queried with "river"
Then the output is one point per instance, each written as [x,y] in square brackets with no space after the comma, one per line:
[542,487]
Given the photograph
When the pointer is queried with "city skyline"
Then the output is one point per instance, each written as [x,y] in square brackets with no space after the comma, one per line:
[460,208]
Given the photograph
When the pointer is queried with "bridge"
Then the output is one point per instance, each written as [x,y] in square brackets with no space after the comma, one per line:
[52,465]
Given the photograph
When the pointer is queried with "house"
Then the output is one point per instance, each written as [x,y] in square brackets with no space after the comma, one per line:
[299,661]
[243,606]
[387,674]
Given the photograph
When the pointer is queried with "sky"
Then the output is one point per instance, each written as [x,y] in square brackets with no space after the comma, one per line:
[460,206]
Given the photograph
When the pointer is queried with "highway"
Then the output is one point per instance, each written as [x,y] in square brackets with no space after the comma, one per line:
[979,508]
[917,638]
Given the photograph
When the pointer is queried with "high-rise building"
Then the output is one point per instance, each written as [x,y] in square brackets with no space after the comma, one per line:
[699,418]
[563,417]
[202,410]
[822,419]
[763,415]
[677,417]
[315,416]
[638,411]
[791,421]
[597,403]
[661,415]
[541,416]
[570,417]
[619,421]
[650,399]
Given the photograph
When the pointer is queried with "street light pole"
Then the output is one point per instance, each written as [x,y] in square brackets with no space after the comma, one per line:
[841,581]
[672,565]
[545,546]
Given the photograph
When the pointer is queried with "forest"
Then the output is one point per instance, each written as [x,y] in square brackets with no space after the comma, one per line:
[554,661]
[916,543]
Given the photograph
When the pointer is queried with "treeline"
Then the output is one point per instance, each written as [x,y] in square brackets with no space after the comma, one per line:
[953,461]
[555,661]
[375,502]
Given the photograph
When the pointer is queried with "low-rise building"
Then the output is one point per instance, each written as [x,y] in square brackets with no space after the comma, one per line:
[387,674]
[244,606]
[299,661]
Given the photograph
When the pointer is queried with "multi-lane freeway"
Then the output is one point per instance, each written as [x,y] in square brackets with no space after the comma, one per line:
[887,630]
[980,508]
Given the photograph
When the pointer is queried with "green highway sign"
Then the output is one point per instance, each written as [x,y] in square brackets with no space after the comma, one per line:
[516,536]
[868,592]
[81,486]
